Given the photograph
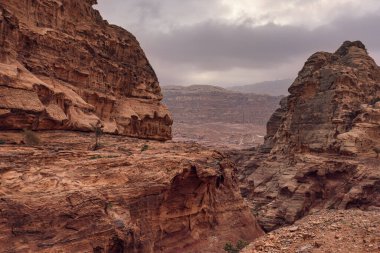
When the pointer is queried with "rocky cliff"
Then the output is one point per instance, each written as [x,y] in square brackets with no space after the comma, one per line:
[333,97]
[319,152]
[130,196]
[63,67]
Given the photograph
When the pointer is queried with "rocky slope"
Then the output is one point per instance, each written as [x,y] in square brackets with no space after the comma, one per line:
[63,67]
[319,150]
[130,196]
[324,232]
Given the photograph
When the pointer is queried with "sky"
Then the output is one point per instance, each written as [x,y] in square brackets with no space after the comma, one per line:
[237,42]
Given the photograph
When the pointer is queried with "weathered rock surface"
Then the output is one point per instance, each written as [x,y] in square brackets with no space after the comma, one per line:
[324,232]
[332,98]
[63,67]
[319,150]
[130,196]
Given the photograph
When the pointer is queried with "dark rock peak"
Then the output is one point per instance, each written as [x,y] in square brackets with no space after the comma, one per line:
[344,49]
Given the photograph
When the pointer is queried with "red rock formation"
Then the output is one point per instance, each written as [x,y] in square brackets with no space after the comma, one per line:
[166,197]
[321,142]
[332,96]
[63,67]
[324,231]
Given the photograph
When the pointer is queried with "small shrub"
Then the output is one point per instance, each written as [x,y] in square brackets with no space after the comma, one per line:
[144,148]
[98,130]
[31,138]
[2,142]
[228,247]
[95,157]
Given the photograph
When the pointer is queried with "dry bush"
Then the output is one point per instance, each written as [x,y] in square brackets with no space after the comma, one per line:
[98,130]
[31,138]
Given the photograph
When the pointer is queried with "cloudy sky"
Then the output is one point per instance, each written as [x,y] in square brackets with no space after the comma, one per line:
[234,42]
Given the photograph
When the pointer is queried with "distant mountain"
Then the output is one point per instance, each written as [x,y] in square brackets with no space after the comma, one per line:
[208,104]
[273,88]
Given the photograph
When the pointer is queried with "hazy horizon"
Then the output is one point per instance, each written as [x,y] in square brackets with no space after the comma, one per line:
[229,85]
[233,43]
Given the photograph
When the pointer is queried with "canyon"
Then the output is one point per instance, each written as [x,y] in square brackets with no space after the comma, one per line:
[64,73]
[311,185]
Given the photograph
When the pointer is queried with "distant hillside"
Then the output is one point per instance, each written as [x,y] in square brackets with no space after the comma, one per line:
[208,104]
[273,88]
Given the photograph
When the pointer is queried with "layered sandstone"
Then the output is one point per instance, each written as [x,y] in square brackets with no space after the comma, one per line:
[63,67]
[333,96]
[130,196]
[319,152]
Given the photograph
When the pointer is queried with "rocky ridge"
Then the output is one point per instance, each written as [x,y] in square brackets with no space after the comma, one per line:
[319,150]
[210,104]
[218,117]
[63,67]
[130,196]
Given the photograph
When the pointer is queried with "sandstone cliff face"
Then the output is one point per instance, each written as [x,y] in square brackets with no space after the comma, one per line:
[333,96]
[166,197]
[63,67]
[319,150]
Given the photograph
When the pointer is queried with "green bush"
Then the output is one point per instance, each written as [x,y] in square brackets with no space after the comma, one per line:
[228,247]
[2,142]
[95,157]
[144,148]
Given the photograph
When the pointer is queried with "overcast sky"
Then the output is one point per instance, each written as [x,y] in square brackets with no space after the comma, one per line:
[234,42]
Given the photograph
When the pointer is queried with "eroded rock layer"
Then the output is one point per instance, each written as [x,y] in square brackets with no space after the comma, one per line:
[333,96]
[63,67]
[321,148]
[131,196]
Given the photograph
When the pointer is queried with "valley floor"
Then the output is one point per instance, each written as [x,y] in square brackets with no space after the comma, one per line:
[220,134]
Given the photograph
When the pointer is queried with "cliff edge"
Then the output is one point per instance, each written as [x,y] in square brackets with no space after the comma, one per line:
[62,67]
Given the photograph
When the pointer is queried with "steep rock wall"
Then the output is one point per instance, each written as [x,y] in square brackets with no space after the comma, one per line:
[63,67]
[320,150]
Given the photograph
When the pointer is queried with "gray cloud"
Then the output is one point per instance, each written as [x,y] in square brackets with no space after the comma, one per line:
[221,51]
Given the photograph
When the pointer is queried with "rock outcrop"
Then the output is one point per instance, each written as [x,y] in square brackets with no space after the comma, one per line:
[130,196]
[63,67]
[322,232]
[333,96]
[319,150]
